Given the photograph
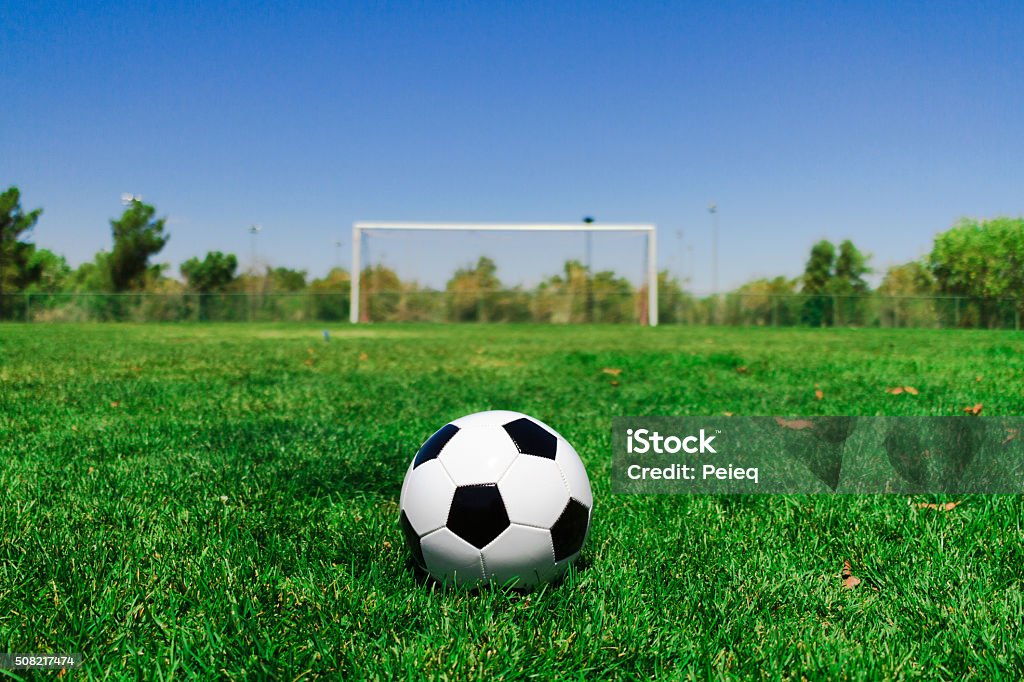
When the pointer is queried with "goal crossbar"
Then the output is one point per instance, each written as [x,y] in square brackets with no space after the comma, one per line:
[649,230]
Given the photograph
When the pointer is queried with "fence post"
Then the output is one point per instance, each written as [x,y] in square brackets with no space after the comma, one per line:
[28,307]
[957,318]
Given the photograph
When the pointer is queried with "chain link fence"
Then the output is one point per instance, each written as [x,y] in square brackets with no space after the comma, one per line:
[517,305]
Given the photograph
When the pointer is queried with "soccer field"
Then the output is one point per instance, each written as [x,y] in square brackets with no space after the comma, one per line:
[222,501]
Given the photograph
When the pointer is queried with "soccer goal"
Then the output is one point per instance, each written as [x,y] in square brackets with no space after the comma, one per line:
[523,251]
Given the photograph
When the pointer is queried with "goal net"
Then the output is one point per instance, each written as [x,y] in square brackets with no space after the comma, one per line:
[504,272]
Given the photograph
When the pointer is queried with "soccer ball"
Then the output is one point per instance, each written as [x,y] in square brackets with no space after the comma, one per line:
[495,496]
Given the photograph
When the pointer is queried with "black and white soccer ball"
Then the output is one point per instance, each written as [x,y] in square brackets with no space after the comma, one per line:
[496,496]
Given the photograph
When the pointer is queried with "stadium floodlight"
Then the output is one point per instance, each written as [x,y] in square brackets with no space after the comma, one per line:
[650,231]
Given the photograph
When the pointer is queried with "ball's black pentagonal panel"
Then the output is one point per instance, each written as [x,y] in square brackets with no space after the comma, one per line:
[432,448]
[531,438]
[478,514]
[412,540]
[570,530]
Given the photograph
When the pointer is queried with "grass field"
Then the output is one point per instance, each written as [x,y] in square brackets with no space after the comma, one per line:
[222,501]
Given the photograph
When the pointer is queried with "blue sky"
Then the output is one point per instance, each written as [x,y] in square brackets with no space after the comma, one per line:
[879,122]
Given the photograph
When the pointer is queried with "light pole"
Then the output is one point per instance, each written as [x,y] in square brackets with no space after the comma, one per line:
[254,230]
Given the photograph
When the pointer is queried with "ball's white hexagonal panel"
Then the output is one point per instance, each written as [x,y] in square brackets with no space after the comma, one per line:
[534,491]
[450,559]
[575,473]
[427,496]
[478,454]
[521,554]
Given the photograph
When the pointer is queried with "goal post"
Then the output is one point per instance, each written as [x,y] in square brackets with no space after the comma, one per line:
[649,231]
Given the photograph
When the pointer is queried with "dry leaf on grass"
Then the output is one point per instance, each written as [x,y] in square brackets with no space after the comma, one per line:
[818,394]
[614,383]
[614,371]
[945,506]
[910,389]
[850,581]
[742,369]
[795,424]
[896,390]
[116,403]
[364,356]
[1011,434]
[728,414]
[973,409]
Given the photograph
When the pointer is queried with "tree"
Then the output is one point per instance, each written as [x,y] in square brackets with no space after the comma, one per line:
[765,302]
[982,260]
[910,279]
[673,301]
[471,291]
[848,285]
[816,280]
[47,272]
[906,296]
[214,273]
[331,296]
[380,294]
[563,297]
[851,266]
[286,279]
[137,237]
[15,254]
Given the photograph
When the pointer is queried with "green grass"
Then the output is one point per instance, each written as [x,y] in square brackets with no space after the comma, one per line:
[222,501]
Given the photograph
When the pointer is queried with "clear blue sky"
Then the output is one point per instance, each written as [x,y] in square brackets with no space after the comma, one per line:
[881,122]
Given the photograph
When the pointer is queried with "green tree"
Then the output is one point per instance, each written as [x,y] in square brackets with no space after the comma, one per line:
[472,291]
[330,296]
[816,283]
[215,273]
[612,298]
[286,279]
[137,237]
[765,302]
[849,286]
[91,276]
[909,279]
[563,297]
[380,293]
[981,259]
[47,271]
[906,295]
[15,254]
[984,261]
[851,266]
[674,303]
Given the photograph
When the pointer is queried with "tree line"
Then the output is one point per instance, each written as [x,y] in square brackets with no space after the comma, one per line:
[979,260]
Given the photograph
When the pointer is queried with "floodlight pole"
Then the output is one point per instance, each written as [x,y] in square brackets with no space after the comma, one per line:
[353,308]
